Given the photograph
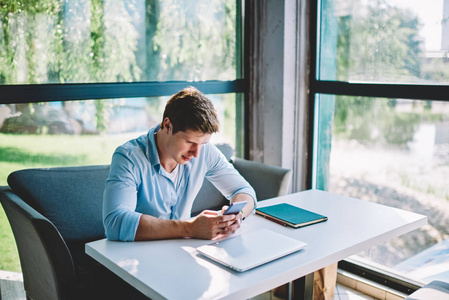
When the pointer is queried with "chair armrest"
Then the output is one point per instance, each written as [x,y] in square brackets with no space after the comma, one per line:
[268,181]
[44,256]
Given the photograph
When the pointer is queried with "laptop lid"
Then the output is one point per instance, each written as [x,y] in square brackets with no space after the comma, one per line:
[251,249]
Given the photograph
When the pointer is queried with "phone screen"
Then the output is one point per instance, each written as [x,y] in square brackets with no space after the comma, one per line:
[234,208]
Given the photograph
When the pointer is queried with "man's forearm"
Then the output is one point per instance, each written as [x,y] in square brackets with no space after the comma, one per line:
[249,207]
[151,228]
[207,225]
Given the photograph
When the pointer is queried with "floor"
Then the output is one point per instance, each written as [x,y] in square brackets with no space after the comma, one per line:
[344,293]
[11,288]
[341,293]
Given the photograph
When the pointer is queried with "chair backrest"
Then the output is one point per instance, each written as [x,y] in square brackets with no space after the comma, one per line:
[70,197]
[268,181]
[33,234]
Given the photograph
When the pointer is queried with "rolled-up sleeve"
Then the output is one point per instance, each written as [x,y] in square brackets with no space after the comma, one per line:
[225,177]
[120,219]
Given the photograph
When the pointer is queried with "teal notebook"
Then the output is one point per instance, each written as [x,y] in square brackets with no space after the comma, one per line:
[286,214]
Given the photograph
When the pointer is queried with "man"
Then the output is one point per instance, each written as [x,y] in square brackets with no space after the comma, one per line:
[155,178]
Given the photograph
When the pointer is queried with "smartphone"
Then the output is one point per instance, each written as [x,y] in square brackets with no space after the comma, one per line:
[235,208]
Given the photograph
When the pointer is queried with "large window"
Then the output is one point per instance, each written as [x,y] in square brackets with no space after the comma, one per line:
[380,91]
[79,78]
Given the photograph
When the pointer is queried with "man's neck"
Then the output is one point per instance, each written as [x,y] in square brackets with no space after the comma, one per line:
[168,163]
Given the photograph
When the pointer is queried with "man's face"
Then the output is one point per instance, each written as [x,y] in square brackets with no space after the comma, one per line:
[184,145]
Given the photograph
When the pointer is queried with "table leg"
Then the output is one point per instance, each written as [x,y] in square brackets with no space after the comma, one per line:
[302,288]
[289,291]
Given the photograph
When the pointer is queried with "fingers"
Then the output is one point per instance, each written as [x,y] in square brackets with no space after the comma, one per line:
[216,218]
[211,224]
[225,225]
[224,208]
[230,226]
[239,216]
[210,212]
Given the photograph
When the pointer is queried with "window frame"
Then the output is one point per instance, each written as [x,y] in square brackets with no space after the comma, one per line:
[32,93]
[382,90]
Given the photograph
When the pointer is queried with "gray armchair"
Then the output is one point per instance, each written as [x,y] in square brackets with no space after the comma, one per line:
[53,212]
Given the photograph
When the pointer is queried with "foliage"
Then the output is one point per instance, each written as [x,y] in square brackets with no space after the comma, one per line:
[62,41]
[196,41]
[381,44]
[437,70]
[372,120]
[68,41]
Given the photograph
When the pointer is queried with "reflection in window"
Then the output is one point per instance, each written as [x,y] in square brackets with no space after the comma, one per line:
[118,41]
[394,152]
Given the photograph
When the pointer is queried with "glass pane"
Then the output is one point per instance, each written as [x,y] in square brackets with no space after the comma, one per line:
[119,41]
[394,152]
[391,41]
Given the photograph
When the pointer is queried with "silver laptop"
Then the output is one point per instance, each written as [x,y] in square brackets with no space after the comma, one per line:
[252,249]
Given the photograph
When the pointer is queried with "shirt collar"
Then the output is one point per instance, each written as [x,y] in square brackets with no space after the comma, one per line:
[152,148]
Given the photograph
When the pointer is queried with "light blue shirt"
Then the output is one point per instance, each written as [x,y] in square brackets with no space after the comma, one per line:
[138,184]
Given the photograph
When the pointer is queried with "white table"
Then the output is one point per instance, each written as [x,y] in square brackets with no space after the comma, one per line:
[172,269]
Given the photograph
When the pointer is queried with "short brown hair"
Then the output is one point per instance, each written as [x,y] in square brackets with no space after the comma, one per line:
[191,109]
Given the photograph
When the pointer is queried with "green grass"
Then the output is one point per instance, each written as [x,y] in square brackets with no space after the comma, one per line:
[9,257]
[34,151]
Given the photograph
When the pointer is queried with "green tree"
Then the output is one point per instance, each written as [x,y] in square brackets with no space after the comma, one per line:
[196,42]
[381,45]
[62,41]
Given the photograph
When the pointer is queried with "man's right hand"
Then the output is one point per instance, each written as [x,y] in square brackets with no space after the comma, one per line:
[210,224]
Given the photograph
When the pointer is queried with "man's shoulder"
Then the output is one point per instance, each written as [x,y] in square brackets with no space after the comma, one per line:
[135,148]
[214,154]
[209,150]
[226,150]
[137,144]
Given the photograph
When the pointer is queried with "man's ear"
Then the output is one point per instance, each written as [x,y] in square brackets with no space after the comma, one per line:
[167,124]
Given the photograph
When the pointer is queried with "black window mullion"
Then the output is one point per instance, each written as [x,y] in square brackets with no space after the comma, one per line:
[82,91]
[402,91]
[313,48]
